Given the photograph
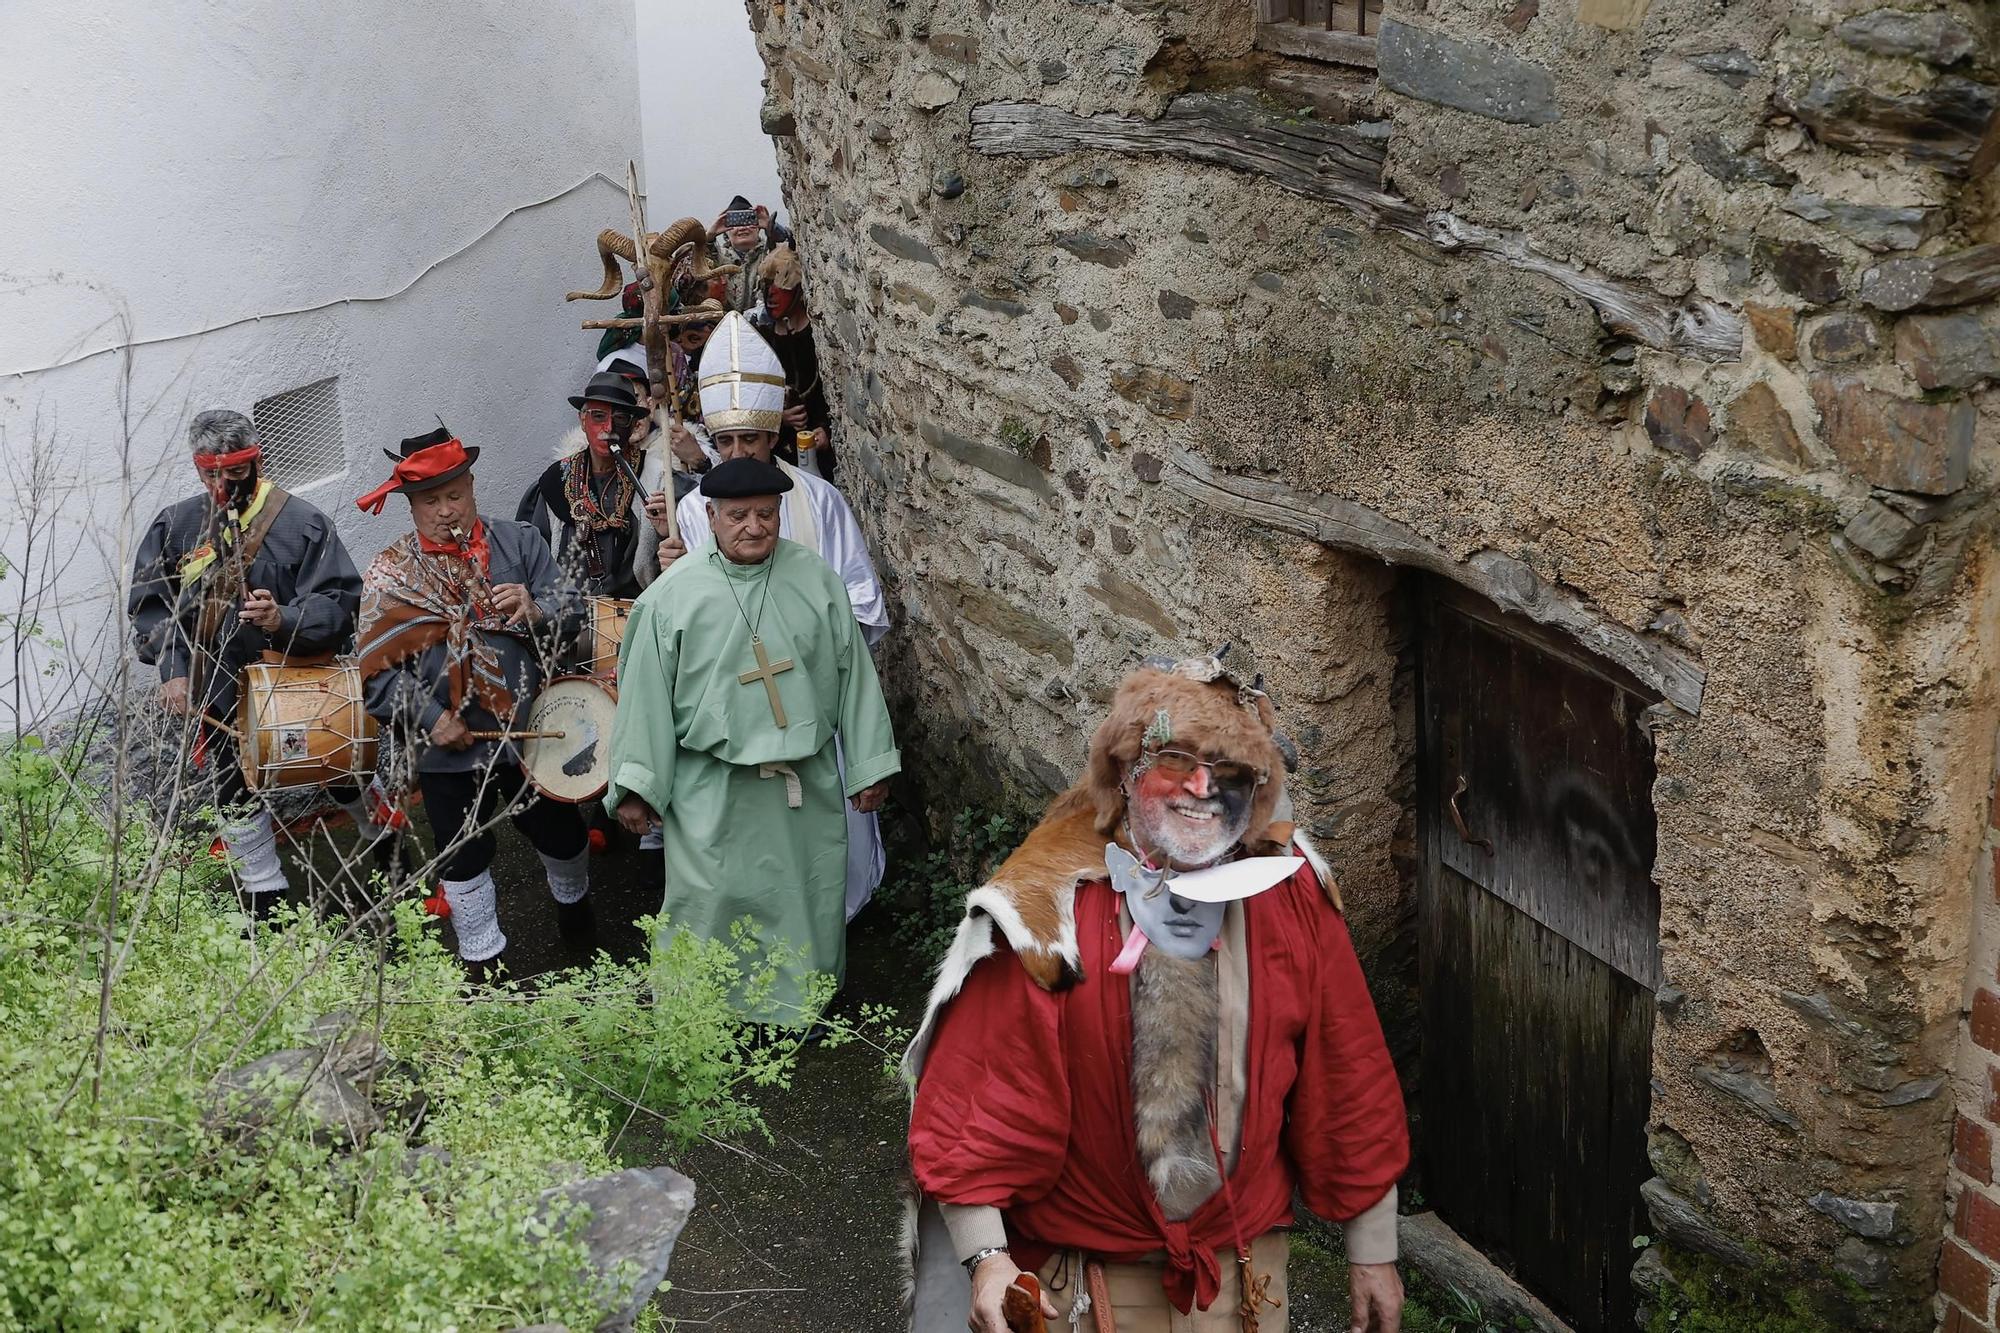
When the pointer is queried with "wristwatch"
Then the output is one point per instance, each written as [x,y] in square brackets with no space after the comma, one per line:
[982,1256]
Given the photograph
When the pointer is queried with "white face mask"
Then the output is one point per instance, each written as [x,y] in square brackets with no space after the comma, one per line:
[1177,926]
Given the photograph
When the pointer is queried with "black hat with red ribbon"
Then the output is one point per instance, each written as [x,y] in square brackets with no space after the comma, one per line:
[424,462]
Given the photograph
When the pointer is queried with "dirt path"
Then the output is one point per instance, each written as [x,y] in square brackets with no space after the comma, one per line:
[804,1233]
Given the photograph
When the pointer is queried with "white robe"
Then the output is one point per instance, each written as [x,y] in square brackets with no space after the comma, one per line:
[815,514]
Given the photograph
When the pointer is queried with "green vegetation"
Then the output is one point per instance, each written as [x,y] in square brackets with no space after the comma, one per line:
[130,1199]
[1705,1297]
[925,893]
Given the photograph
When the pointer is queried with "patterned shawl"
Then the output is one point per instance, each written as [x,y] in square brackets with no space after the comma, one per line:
[412,599]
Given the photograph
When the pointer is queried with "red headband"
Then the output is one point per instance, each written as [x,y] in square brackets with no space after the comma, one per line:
[424,464]
[237,459]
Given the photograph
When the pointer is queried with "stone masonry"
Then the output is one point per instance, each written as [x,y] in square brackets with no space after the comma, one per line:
[1670,325]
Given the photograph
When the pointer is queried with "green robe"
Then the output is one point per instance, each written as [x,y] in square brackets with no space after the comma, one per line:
[695,743]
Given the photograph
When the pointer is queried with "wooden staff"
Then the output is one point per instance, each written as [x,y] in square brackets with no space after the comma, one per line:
[660,377]
[516,735]
[670,321]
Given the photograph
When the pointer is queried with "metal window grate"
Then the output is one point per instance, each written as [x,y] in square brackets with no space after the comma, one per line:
[303,441]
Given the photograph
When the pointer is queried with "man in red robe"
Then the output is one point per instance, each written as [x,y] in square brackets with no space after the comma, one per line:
[1151,1033]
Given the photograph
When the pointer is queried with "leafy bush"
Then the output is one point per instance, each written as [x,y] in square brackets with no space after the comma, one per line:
[925,893]
[128,983]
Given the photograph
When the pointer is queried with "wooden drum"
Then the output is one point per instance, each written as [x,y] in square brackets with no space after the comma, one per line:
[605,632]
[304,726]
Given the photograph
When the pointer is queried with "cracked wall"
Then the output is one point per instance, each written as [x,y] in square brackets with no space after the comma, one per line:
[1671,326]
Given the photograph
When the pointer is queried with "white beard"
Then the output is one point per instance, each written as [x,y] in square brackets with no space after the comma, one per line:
[1188,843]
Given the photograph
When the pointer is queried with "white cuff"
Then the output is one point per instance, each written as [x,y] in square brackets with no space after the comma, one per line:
[1371,1237]
[253,842]
[475,915]
[569,878]
[973,1227]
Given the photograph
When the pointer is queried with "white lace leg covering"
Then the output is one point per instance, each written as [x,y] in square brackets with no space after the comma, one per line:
[569,879]
[254,845]
[362,811]
[475,914]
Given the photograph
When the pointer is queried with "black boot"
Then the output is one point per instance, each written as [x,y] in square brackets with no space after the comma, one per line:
[577,922]
[260,906]
[487,971]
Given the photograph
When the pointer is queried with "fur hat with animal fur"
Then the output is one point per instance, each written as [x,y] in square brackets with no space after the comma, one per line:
[1196,704]
[781,268]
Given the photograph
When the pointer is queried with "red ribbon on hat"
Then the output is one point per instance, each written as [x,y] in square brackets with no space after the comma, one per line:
[433,461]
[237,459]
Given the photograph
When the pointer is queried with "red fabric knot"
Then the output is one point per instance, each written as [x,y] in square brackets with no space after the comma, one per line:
[422,465]
[1192,1277]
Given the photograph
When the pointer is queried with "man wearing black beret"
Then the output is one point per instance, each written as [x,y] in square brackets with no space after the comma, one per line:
[741,666]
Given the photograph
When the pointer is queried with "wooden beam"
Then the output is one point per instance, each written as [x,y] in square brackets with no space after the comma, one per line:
[1342,164]
[1331,45]
[1501,579]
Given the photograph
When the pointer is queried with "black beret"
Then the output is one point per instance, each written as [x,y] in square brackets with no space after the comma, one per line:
[741,478]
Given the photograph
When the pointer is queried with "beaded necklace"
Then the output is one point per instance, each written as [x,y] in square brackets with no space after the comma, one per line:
[582,508]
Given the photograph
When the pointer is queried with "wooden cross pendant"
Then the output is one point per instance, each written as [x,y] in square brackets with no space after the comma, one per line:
[767,671]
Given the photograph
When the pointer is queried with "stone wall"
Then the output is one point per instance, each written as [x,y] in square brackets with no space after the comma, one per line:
[1670,326]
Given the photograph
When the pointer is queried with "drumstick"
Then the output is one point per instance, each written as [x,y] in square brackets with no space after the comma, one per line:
[222,726]
[516,735]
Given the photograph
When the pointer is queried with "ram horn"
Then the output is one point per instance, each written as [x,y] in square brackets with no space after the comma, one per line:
[612,246]
[676,234]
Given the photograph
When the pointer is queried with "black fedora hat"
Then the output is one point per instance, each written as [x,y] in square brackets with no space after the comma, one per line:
[416,444]
[610,388]
[412,474]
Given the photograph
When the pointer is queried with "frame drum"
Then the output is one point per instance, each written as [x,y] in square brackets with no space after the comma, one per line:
[304,726]
[577,766]
[606,632]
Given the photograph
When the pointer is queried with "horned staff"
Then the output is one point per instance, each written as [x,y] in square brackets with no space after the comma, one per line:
[660,377]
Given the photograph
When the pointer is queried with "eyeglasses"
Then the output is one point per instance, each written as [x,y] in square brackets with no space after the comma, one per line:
[1225,773]
[600,416]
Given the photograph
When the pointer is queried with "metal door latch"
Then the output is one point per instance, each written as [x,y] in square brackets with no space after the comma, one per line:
[1458,820]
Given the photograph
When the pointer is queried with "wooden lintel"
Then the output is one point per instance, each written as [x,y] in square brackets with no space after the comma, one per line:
[1507,582]
[1342,164]
[1305,42]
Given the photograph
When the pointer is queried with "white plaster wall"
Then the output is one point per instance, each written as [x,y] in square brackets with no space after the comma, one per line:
[418,179]
[701,88]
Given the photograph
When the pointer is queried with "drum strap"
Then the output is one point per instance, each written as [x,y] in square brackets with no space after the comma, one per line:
[220,591]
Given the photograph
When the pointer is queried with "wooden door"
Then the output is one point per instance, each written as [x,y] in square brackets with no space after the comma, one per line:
[1538,951]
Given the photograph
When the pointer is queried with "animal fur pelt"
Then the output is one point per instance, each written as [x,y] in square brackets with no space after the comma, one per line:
[781,268]
[1031,899]
[1175,1007]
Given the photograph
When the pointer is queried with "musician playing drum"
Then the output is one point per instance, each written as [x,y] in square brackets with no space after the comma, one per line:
[458,619]
[220,579]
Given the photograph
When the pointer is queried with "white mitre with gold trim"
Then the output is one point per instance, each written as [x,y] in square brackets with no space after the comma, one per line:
[742,381]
